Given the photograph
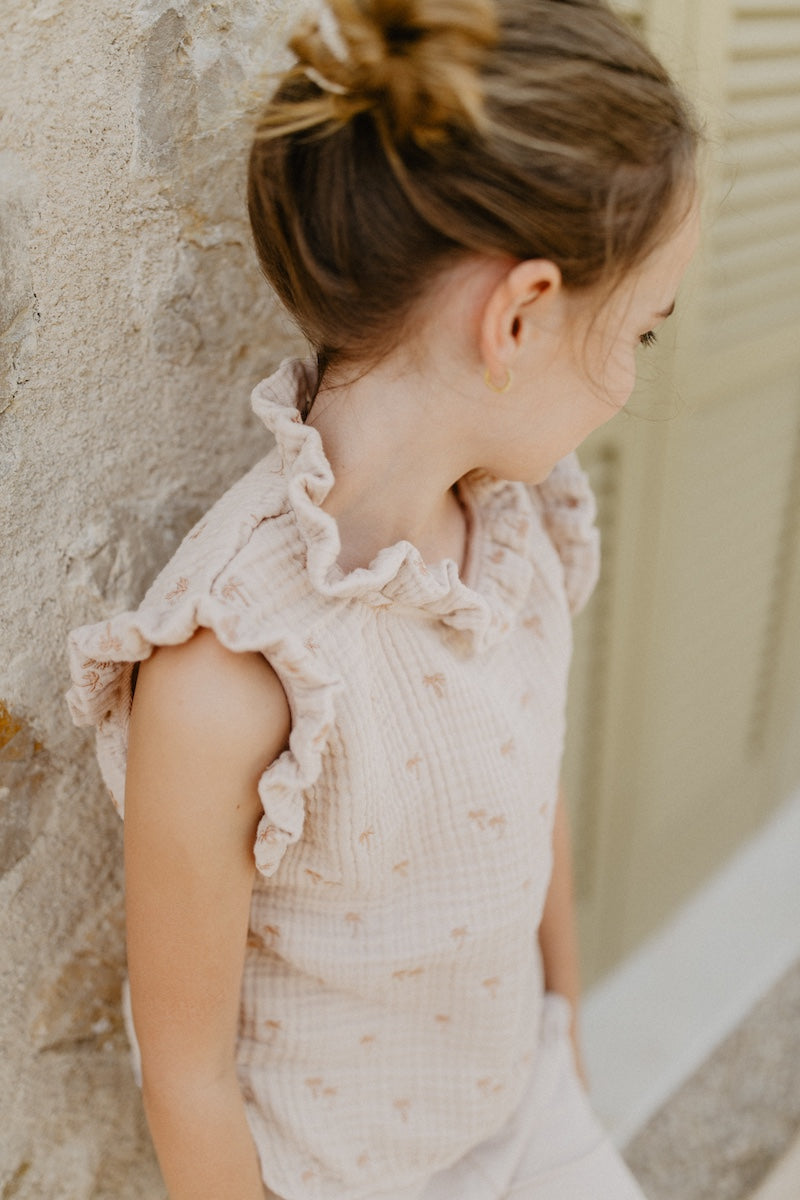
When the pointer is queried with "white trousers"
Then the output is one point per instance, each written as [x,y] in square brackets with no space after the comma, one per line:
[553,1148]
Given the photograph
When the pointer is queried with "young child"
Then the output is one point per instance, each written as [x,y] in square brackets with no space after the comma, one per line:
[343,826]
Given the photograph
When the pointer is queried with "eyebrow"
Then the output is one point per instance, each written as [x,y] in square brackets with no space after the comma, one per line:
[667,312]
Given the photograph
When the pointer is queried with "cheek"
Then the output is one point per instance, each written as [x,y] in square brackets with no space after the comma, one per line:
[619,377]
[609,371]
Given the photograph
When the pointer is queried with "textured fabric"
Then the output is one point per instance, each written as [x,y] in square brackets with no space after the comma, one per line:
[392,990]
[552,1148]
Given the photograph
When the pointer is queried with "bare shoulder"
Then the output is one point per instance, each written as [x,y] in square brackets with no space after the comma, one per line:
[210,703]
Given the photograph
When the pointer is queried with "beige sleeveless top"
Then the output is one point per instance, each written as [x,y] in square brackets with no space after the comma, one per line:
[392,988]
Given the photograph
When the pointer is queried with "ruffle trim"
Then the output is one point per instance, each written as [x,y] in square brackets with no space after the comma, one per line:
[482,609]
[102,658]
[506,521]
[569,512]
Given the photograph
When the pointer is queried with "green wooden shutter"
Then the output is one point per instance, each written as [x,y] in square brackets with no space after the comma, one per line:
[685,705]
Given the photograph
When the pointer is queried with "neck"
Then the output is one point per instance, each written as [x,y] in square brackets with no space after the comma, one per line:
[389,437]
[400,434]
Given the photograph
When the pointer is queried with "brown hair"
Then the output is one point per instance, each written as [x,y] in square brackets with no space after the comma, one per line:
[410,132]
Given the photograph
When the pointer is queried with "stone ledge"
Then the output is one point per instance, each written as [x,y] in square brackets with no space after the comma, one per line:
[724,1130]
[783,1182]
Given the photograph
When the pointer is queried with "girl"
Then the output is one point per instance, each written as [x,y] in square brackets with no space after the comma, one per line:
[343,824]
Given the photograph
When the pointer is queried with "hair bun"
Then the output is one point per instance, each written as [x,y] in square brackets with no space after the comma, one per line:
[414,63]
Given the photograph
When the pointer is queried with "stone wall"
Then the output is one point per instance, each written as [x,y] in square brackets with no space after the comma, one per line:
[133,323]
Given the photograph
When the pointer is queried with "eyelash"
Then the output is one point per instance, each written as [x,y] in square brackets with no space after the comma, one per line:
[648,339]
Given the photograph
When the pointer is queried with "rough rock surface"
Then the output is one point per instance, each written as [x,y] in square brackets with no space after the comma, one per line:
[133,323]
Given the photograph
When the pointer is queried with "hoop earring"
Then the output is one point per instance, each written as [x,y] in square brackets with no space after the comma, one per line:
[503,387]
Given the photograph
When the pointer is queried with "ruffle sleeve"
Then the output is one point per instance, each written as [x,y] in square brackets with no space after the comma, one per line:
[102,662]
[569,512]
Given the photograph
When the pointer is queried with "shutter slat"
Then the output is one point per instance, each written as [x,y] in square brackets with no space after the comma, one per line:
[740,224]
[764,76]
[745,309]
[764,259]
[765,114]
[754,189]
[747,152]
[759,9]
[778,36]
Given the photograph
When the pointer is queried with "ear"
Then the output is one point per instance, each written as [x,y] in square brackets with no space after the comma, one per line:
[528,289]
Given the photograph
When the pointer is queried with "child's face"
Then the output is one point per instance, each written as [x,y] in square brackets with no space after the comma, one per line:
[634,312]
[581,366]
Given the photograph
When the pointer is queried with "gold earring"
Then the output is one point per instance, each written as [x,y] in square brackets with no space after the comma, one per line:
[503,387]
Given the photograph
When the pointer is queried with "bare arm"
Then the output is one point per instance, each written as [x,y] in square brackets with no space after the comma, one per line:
[205,724]
[558,936]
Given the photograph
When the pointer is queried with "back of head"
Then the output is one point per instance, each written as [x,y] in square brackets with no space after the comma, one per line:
[411,132]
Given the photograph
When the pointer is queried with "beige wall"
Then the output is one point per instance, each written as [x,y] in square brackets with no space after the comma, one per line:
[133,323]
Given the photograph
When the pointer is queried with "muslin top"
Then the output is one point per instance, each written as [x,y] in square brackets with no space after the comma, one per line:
[392,987]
